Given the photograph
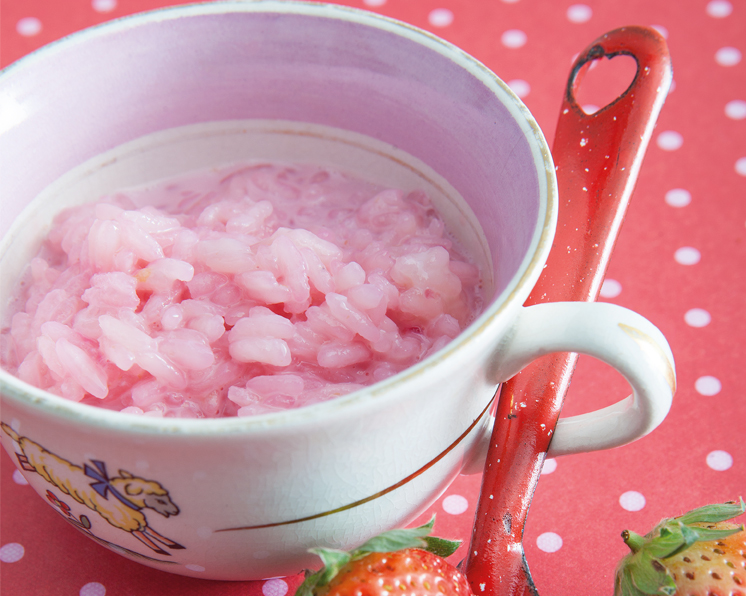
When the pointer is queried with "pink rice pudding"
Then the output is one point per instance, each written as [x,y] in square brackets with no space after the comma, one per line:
[238,291]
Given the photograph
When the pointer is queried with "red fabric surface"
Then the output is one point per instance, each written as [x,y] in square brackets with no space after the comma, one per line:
[697,456]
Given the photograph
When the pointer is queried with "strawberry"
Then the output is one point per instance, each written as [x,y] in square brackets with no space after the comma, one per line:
[696,554]
[399,561]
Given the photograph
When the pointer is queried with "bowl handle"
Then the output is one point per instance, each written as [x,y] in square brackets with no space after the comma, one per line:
[611,333]
[597,157]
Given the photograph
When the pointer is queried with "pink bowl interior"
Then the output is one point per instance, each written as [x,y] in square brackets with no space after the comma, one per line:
[104,87]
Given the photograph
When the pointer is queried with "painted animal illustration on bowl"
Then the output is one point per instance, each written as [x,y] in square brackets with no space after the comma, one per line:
[120,500]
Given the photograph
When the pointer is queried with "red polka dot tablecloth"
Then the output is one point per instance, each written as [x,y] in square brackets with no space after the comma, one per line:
[680,261]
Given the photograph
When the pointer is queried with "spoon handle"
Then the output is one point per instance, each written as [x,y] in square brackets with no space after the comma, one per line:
[597,157]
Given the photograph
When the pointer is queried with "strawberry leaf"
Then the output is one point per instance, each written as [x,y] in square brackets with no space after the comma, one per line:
[650,576]
[707,534]
[713,513]
[440,546]
[667,544]
[395,540]
[624,586]
[333,561]
[308,585]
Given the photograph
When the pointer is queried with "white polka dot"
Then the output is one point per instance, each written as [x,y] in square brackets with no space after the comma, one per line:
[611,288]
[28,26]
[549,542]
[678,197]
[719,9]
[93,589]
[741,166]
[18,478]
[632,500]
[510,1]
[669,140]
[708,385]
[662,30]
[204,532]
[455,504]
[590,108]
[736,109]
[719,460]
[697,317]
[579,13]
[440,17]
[195,567]
[728,56]
[11,552]
[275,587]
[550,465]
[513,38]
[104,5]
[687,255]
[520,87]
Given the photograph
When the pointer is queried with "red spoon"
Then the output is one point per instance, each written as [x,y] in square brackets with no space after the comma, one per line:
[594,189]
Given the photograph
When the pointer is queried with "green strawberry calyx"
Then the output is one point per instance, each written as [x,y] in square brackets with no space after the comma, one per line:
[643,571]
[393,540]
